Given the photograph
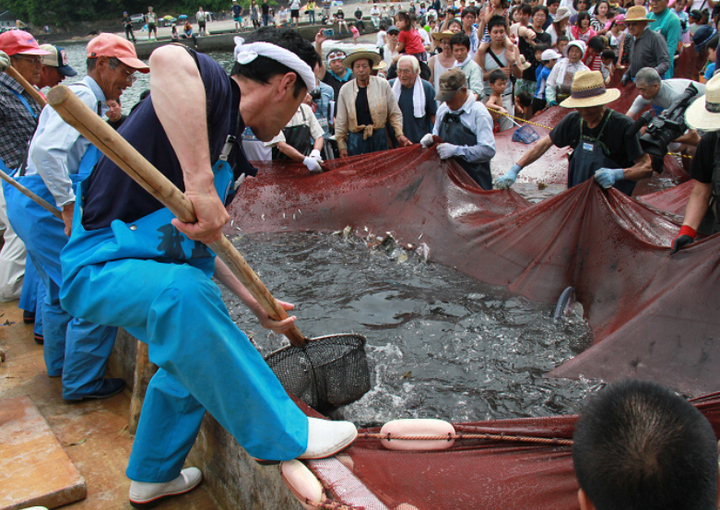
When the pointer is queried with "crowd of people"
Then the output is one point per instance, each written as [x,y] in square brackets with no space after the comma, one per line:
[447,83]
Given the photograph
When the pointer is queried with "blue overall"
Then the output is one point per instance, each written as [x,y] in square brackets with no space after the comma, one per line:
[33,292]
[33,295]
[150,279]
[590,156]
[73,348]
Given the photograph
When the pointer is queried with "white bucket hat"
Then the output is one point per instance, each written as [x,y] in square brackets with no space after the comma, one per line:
[705,114]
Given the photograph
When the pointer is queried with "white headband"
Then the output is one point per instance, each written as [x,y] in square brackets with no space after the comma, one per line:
[246,53]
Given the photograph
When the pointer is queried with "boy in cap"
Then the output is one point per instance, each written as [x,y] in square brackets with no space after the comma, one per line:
[465,126]
[335,74]
[58,158]
[55,66]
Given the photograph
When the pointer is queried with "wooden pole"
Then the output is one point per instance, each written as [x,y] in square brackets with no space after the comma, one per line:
[40,201]
[115,147]
[12,72]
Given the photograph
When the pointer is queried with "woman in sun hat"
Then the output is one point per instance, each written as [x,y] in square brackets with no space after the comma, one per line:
[702,212]
[599,136]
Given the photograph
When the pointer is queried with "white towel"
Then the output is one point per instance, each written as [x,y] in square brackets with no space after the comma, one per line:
[418,96]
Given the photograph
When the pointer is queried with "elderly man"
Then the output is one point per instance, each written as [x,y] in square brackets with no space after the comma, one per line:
[59,158]
[18,119]
[465,126]
[639,445]
[598,135]
[161,290]
[55,67]
[702,212]
[338,74]
[661,94]
[364,107]
[668,25]
[647,48]
[416,99]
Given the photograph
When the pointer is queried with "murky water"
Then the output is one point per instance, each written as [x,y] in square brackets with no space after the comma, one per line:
[440,344]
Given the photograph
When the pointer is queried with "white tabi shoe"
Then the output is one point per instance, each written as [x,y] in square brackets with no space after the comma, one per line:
[146,495]
[326,438]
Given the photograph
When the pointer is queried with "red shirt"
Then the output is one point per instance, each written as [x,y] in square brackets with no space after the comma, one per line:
[594,62]
[413,41]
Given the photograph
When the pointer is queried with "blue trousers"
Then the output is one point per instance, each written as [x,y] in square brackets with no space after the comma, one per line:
[75,348]
[33,295]
[205,362]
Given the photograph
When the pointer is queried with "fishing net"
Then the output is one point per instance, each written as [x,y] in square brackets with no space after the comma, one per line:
[327,373]
[525,134]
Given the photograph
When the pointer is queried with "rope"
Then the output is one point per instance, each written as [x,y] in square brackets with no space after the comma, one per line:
[520,119]
[448,437]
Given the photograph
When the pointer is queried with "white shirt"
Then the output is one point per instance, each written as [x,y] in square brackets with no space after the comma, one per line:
[476,118]
[57,148]
[316,130]
[670,90]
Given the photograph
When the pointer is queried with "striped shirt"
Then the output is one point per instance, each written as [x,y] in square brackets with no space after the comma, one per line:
[17,124]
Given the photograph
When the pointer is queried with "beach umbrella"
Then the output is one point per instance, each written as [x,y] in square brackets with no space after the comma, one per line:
[168,18]
[182,17]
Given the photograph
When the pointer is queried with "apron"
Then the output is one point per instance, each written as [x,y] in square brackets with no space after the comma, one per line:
[28,218]
[297,137]
[455,132]
[589,156]
[711,222]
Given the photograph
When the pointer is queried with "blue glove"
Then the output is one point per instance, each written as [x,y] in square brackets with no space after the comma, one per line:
[507,180]
[625,79]
[606,177]
[447,150]
[552,103]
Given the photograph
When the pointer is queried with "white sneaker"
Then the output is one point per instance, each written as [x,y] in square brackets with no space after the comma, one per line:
[147,495]
[326,438]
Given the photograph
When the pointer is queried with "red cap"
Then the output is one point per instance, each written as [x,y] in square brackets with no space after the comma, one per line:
[14,42]
[111,45]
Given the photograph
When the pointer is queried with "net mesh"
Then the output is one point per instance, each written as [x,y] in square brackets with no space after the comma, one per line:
[327,373]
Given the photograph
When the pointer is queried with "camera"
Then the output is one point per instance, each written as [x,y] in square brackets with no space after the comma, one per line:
[664,128]
[315,94]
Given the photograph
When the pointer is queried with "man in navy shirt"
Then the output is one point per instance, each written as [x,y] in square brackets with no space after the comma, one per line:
[139,267]
[416,99]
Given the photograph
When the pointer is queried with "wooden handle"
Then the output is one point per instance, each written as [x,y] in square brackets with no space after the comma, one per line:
[32,196]
[78,115]
[12,72]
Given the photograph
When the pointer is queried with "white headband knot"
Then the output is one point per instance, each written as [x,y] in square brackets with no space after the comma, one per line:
[246,53]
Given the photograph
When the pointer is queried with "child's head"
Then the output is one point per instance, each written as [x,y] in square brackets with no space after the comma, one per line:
[539,48]
[497,81]
[550,57]
[403,20]
[523,99]
[596,45]
[680,5]
[608,57]
[712,48]
[561,44]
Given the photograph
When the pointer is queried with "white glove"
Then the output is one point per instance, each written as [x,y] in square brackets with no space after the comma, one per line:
[316,154]
[446,150]
[426,141]
[4,61]
[312,164]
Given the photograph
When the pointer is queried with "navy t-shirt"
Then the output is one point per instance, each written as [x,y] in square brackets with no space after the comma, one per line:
[112,194]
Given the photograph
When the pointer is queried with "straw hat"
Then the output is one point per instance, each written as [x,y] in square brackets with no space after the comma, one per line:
[439,36]
[382,66]
[705,114]
[372,56]
[588,89]
[637,13]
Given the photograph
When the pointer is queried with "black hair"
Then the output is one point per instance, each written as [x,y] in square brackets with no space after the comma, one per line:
[495,75]
[408,18]
[262,69]
[460,38]
[541,47]
[551,2]
[596,42]
[526,8]
[713,43]
[524,98]
[468,10]
[608,53]
[91,62]
[539,8]
[638,445]
[581,16]
[562,38]
[496,21]
[575,3]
